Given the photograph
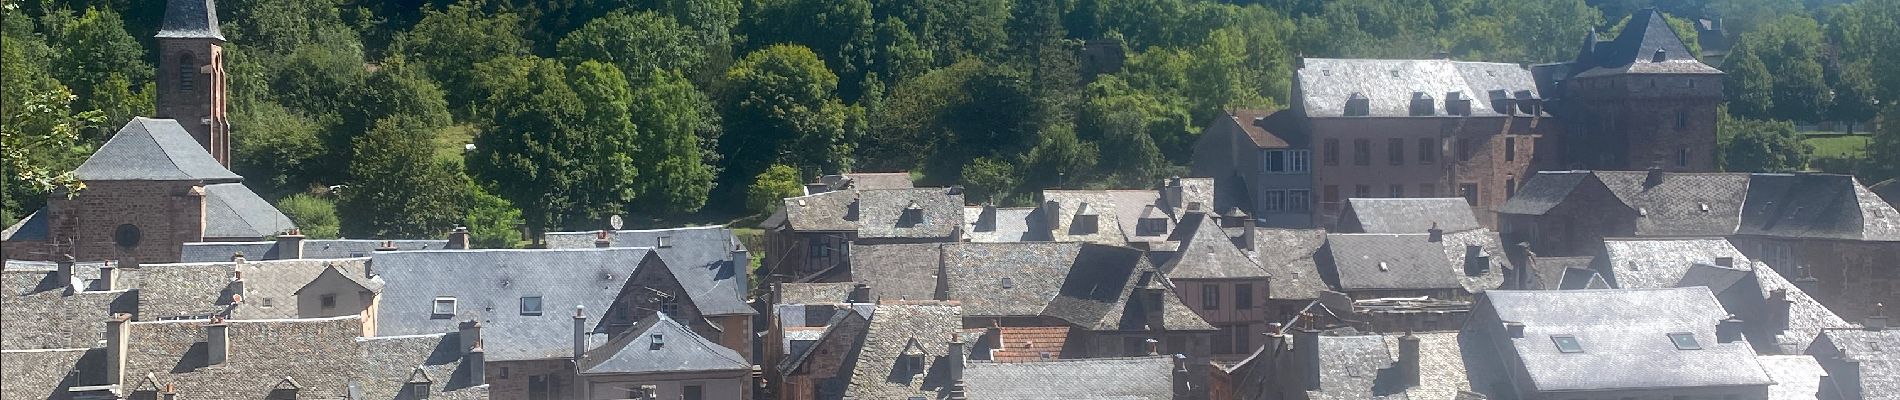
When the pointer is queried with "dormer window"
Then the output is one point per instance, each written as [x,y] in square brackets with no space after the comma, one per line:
[1087,220]
[911,360]
[444,308]
[663,242]
[1501,102]
[1567,343]
[913,215]
[1422,105]
[1457,104]
[1358,105]
[658,341]
[1152,226]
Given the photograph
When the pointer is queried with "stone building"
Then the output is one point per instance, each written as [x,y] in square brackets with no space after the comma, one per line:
[1859,363]
[190,75]
[1218,281]
[661,358]
[1638,101]
[1268,174]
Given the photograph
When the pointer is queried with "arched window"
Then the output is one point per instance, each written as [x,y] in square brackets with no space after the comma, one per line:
[187,69]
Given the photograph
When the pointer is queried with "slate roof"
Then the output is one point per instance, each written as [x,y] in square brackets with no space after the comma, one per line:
[1624,337]
[148,149]
[1248,122]
[1674,208]
[660,345]
[1550,273]
[986,224]
[975,274]
[1407,215]
[1207,253]
[33,227]
[1634,49]
[1817,206]
[313,249]
[234,211]
[1099,203]
[1543,192]
[876,213]
[1129,378]
[1868,354]
[1663,263]
[1287,255]
[1888,190]
[488,286]
[1456,244]
[1355,368]
[1441,365]
[814,293]
[1797,377]
[1325,84]
[194,19]
[700,257]
[868,180]
[325,361]
[47,374]
[897,271]
[52,320]
[1376,261]
[893,328]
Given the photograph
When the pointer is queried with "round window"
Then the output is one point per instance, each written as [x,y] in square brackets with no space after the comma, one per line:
[126,236]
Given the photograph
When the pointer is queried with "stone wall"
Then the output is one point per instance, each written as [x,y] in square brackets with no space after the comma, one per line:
[512,379]
[1489,153]
[1850,276]
[1630,122]
[166,214]
[1574,228]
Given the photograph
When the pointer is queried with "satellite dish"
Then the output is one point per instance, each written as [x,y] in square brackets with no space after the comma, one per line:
[615,222]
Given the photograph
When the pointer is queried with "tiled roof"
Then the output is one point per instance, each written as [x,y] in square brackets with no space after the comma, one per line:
[1248,122]
[149,149]
[1129,378]
[1018,344]
[814,293]
[1349,368]
[234,211]
[985,224]
[1675,207]
[1008,279]
[1441,365]
[1625,339]
[878,213]
[1325,84]
[926,327]
[700,257]
[1207,253]
[1407,215]
[660,345]
[1660,263]
[46,374]
[1634,50]
[1797,377]
[52,320]
[897,271]
[33,227]
[1374,261]
[1287,255]
[1818,206]
[1543,192]
[195,19]
[488,285]
[326,360]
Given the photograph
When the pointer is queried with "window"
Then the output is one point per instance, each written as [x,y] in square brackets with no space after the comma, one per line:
[1243,296]
[694,392]
[126,235]
[1299,161]
[1567,343]
[1299,201]
[531,305]
[670,306]
[1332,152]
[663,242]
[1464,150]
[327,301]
[1470,193]
[444,307]
[1330,196]
[1361,191]
[1396,191]
[819,248]
[1273,161]
[1684,341]
[503,374]
[1361,152]
[1682,119]
[187,69]
[418,390]
[1427,150]
[1779,255]
[1210,296]
[1510,148]
[1427,190]
[656,342]
[1682,157]
[1510,187]
[1274,201]
[1395,151]
[1243,340]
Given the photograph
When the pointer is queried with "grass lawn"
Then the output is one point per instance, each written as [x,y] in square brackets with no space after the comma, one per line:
[1839,146]
[449,142]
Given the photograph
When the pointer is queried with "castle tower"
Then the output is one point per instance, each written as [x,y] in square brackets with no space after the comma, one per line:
[191,74]
[1638,101]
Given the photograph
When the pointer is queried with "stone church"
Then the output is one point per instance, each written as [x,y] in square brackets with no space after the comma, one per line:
[159,182]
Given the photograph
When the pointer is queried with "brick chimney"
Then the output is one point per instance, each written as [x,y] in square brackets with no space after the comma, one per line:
[580,332]
[1408,359]
[1172,193]
[470,332]
[171,393]
[118,336]
[236,287]
[290,245]
[63,273]
[218,341]
[1729,330]
[601,240]
[476,362]
[1779,308]
[1306,351]
[459,238]
[388,245]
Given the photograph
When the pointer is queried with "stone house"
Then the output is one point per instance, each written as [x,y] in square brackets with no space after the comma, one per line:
[813,234]
[1345,364]
[1266,173]
[338,292]
[661,358]
[1223,286]
[1638,101]
[1859,363]
[705,266]
[292,245]
[810,365]
[1778,316]
[1633,343]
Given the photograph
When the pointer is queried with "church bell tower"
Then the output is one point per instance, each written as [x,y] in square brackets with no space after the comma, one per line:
[191,74]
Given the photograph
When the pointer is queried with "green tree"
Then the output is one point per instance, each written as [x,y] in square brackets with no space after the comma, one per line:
[276,149]
[1883,152]
[120,102]
[490,219]
[670,113]
[1853,95]
[1762,146]
[989,181]
[399,189]
[315,216]
[1790,50]
[776,183]
[93,50]
[529,150]
[781,107]
[393,91]
[450,40]
[609,177]
[1750,86]
[282,26]
[316,80]
[637,43]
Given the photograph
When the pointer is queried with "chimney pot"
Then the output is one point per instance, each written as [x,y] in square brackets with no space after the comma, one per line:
[290,245]
[476,361]
[459,238]
[580,332]
[63,274]
[108,278]
[1436,235]
[601,240]
[470,332]
[1729,330]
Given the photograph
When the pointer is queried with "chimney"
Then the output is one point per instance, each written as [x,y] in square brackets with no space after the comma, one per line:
[1154,346]
[218,341]
[1477,262]
[1729,330]
[1172,192]
[236,286]
[955,358]
[1655,177]
[118,336]
[1661,55]
[63,275]
[108,278]
[388,245]
[860,293]
[290,245]
[986,220]
[459,238]
[1247,234]
[1779,306]
[1408,359]
[1306,347]
[1725,262]
[1806,281]
[476,362]
[1514,329]
[1877,322]
[1053,211]
[580,332]
[1437,235]
[470,332]
[171,393]
[602,241]
[741,265]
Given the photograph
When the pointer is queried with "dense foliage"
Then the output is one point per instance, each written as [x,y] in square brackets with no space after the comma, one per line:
[578,110]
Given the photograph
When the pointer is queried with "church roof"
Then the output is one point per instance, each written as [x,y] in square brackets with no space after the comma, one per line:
[234,211]
[190,19]
[148,149]
[1635,50]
